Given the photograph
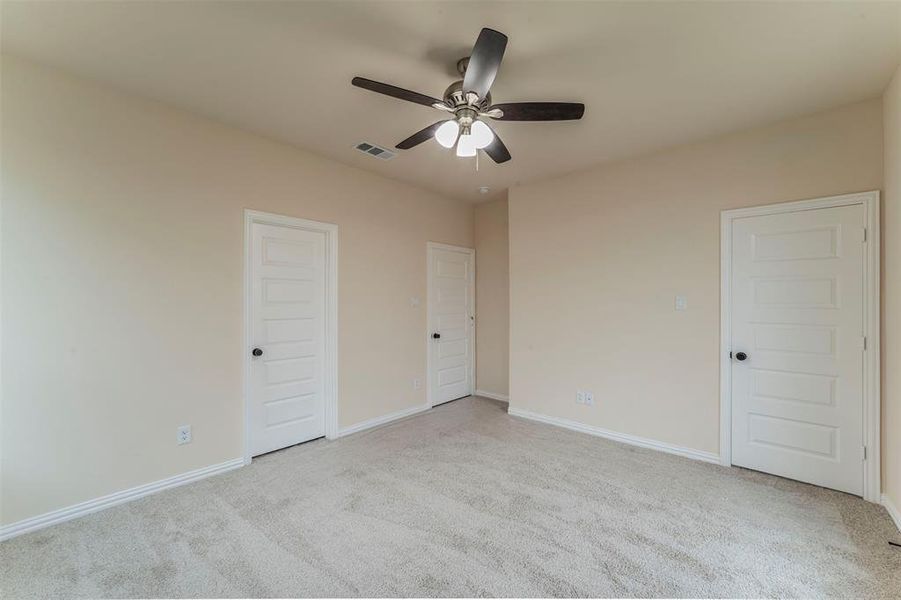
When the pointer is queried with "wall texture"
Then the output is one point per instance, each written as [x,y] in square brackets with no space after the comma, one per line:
[891,299]
[492,297]
[122,250]
[597,257]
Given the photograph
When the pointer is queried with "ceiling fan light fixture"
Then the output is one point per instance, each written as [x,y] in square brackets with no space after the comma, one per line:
[466,147]
[482,135]
[446,135]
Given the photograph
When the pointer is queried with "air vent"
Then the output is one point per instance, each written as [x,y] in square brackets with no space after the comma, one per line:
[376,151]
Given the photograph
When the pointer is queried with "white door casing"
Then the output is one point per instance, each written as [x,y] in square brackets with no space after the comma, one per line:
[797,302]
[290,316]
[451,315]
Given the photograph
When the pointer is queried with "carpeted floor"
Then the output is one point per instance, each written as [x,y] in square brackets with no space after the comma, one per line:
[465,500]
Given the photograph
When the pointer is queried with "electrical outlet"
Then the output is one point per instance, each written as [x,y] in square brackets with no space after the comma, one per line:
[589,398]
[681,303]
[183,436]
[417,383]
[580,397]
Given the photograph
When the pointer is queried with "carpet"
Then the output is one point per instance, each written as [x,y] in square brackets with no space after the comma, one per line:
[465,500]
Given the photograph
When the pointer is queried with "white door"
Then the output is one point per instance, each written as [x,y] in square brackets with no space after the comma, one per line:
[451,322]
[287,333]
[797,322]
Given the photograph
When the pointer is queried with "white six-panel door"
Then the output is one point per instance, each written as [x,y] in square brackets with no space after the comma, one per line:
[797,343]
[451,320]
[286,403]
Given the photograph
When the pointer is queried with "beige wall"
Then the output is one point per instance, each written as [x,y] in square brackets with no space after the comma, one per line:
[597,257]
[891,300]
[122,265]
[122,253]
[492,297]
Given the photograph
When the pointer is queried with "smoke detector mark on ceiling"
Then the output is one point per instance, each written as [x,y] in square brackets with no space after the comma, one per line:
[375,150]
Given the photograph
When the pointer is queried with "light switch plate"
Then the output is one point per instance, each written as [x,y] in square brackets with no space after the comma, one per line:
[681,303]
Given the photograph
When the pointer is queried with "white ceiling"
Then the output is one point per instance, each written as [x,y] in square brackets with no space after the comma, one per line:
[650,74]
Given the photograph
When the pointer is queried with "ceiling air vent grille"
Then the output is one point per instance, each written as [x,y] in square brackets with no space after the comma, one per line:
[376,151]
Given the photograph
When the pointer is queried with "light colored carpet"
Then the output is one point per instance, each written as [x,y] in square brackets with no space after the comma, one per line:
[467,501]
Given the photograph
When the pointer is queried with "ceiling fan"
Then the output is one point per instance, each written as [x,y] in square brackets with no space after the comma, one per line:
[469,101]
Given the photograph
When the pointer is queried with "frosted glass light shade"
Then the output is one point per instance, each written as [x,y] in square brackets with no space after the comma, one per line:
[447,133]
[466,146]
[481,134]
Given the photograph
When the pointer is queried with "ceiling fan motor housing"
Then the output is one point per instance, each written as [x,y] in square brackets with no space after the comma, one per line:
[455,98]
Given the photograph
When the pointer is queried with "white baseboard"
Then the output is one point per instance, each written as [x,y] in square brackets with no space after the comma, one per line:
[91,506]
[709,457]
[383,420]
[492,395]
[893,511]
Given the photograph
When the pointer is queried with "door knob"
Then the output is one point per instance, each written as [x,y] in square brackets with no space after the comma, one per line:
[740,356]
[257,352]
[436,335]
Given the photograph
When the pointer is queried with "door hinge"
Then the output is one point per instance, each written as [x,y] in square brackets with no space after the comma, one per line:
[864,342]
[863,237]
[864,452]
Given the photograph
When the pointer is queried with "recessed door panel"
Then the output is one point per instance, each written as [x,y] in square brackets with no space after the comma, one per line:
[802,388]
[277,291]
[797,339]
[813,243]
[293,409]
[795,292]
[795,436]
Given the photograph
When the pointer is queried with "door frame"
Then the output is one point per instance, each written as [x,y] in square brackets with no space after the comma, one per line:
[871,323]
[431,246]
[330,368]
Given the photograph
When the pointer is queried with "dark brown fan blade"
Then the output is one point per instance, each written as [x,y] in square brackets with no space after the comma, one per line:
[394,91]
[540,111]
[420,136]
[497,151]
[484,62]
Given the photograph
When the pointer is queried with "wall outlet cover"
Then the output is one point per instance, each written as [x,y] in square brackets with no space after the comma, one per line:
[183,435]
